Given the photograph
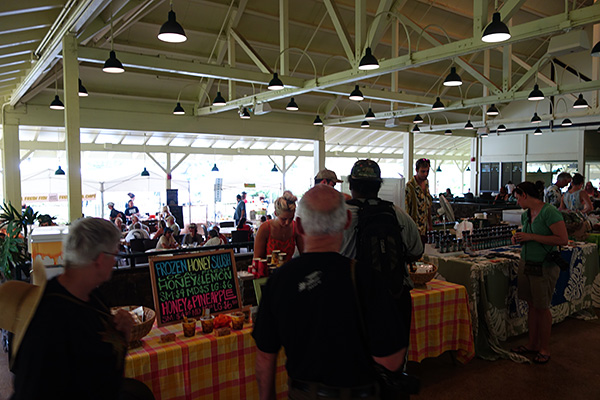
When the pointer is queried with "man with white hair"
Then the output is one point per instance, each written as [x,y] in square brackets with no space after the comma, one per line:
[74,347]
[329,356]
[173,225]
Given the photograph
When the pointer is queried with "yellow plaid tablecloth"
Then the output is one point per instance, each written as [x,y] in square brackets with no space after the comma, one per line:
[200,367]
[441,321]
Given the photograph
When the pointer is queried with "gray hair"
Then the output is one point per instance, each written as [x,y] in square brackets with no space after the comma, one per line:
[317,222]
[563,176]
[87,238]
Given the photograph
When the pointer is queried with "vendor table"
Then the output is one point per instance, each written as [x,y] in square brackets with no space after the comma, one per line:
[200,367]
[440,322]
[491,281]
[210,367]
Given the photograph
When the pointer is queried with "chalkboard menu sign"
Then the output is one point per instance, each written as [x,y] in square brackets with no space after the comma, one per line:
[184,285]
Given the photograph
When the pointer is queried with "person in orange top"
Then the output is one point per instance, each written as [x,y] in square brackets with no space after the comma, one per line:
[279,233]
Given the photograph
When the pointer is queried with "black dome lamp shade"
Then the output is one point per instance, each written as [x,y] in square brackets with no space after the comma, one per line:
[566,122]
[145,172]
[113,65]
[275,83]
[418,119]
[370,114]
[365,124]
[245,114]
[536,94]
[448,132]
[274,169]
[171,31]
[292,106]
[59,171]
[537,131]
[453,79]
[469,125]
[82,91]
[219,100]
[536,118]
[496,31]
[501,128]
[214,168]
[318,121]
[356,94]
[416,128]
[580,102]
[368,62]
[178,110]
[438,105]
[57,104]
[492,110]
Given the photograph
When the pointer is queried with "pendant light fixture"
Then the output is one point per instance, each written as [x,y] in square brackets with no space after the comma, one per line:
[566,122]
[369,115]
[453,79]
[245,114]
[365,124]
[416,128]
[214,168]
[171,31]
[448,132]
[368,62]
[219,100]
[537,132]
[82,91]
[492,110]
[274,169]
[469,169]
[317,121]
[596,50]
[501,128]
[59,171]
[145,171]
[536,118]
[469,125]
[536,94]
[56,103]
[112,65]
[275,83]
[580,102]
[438,105]
[418,119]
[484,134]
[496,31]
[178,110]
[438,169]
[356,94]
[292,106]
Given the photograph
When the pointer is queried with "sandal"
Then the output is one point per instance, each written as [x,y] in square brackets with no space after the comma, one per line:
[541,358]
[522,350]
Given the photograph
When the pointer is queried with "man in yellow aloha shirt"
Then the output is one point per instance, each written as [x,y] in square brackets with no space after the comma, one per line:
[418,200]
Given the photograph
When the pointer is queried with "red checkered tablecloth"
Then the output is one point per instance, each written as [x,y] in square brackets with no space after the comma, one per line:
[200,367]
[441,321]
[210,367]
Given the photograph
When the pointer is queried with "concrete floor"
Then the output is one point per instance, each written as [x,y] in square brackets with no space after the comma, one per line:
[573,372]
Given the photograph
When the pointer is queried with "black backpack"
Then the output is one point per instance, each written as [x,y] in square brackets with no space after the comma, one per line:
[379,241]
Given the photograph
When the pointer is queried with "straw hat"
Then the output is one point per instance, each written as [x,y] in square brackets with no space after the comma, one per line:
[18,302]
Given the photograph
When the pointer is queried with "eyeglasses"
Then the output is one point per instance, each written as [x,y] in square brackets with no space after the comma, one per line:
[112,254]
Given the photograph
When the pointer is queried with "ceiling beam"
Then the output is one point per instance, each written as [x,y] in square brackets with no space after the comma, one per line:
[340,28]
[250,52]
[73,23]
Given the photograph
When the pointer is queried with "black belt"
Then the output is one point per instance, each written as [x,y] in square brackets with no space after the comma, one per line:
[331,392]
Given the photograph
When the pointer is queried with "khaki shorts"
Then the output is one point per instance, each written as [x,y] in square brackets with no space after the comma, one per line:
[537,290]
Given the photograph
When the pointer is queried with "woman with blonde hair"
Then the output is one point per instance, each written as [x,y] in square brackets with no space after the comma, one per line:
[279,233]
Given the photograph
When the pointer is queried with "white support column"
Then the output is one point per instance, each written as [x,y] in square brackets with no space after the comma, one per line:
[581,153]
[169,171]
[283,172]
[318,155]
[409,155]
[360,27]
[72,142]
[231,62]
[475,166]
[506,65]
[284,37]
[524,158]
[10,164]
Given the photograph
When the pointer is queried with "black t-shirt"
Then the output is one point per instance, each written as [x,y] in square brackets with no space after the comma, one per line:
[114,214]
[70,351]
[309,308]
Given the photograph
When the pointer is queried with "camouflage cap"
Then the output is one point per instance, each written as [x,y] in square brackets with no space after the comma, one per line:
[327,174]
[366,170]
